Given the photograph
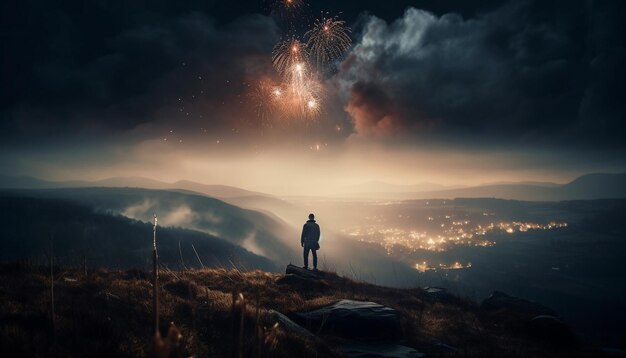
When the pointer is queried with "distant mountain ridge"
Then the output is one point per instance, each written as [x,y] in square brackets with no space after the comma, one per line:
[380,186]
[586,187]
[214,190]
[535,183]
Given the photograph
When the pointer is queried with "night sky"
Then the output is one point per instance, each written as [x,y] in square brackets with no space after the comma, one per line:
[456,92]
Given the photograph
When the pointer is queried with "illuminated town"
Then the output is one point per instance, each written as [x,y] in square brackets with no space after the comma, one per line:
[441,234]
[423,266]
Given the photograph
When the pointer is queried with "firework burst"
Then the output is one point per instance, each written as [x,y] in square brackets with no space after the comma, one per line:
[289,55]
[287,10]
[307,97]
[313,108]
[266,98]
[289,4]
[301,94]
[328,40]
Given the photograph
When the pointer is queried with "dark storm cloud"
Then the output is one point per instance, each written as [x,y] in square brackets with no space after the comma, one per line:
[528,71]
[110,66]
[523,71]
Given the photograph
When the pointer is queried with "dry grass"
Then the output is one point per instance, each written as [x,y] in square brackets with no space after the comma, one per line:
[110,312]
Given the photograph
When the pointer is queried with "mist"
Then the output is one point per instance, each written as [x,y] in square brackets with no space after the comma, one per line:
[302,170]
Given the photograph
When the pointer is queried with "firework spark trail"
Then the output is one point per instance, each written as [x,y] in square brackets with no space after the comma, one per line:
[288,11]
[306,103]
[289,4]
[296,100]
[285,8]
[328,40]
[297,79]
[303,91]
[265,98]
[287,54]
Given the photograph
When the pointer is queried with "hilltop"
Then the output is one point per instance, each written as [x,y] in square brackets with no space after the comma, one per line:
[108,313]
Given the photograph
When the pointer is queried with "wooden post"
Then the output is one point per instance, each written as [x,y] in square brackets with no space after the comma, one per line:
[257,344]
[242,303]
[52,314]
[233,325]
[155,276]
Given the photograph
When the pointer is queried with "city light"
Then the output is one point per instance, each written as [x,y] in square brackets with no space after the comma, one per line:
[451,233]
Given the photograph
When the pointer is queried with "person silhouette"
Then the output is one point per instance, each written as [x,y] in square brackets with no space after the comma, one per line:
[310,241]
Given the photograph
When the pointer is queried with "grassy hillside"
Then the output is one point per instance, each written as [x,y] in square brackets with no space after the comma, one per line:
[249,229]
[256,232]
[108,313]
[77,232]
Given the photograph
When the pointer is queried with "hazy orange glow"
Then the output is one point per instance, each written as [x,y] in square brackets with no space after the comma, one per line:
[305,166]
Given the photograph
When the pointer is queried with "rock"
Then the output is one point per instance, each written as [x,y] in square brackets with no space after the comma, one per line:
[501,301]
[304,279]
[378,350]
[440,294]
[354,319]
[434,290]
[533,318]
[551,330]
[301,272]
[288,325]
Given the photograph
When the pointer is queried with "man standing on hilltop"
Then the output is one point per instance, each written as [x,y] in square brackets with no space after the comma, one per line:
[310,241]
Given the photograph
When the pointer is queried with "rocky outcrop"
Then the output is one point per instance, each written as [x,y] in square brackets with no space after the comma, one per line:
[305,273]
[368,329]
[364,329]
[551,330]
[515,305]
[531,318]
[354,319]
[302,279]
[440,294]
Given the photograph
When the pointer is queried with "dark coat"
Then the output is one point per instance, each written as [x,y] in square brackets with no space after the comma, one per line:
[310,234]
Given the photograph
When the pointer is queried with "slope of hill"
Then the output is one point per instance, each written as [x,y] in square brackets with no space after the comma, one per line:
[596,186]
[30,226]
[283,209]
[249,229]
[262,234]
[217,191]
[108,313]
